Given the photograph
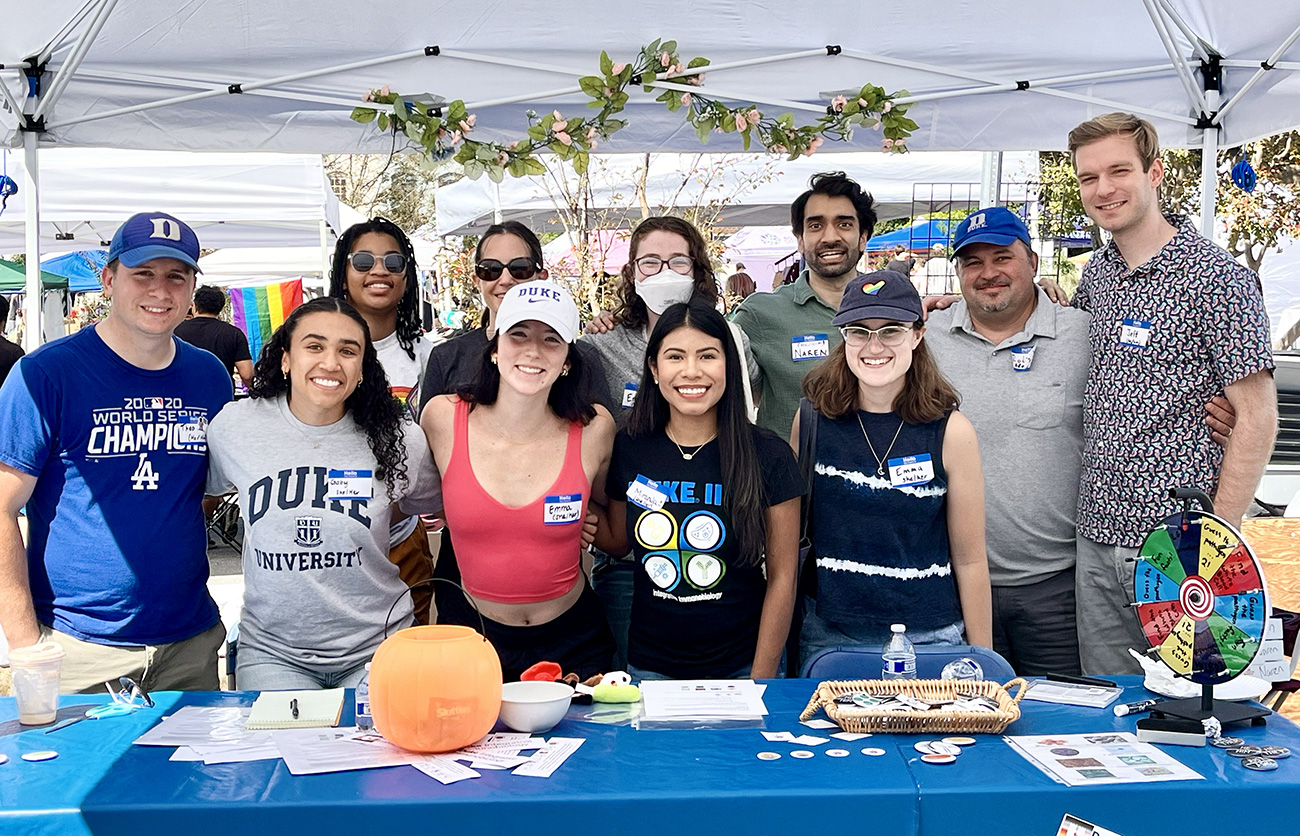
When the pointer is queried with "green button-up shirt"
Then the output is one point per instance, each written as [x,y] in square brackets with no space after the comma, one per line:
[774,322]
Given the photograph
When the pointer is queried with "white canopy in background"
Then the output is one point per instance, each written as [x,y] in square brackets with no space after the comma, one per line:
[757,189]
[981,74]
[256,199]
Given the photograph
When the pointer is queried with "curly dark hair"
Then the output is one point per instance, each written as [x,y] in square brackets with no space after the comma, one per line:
[371,405]
[409,327]
[209,300]
[631,311]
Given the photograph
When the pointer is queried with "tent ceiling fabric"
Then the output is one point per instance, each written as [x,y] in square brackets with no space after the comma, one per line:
[148,51]
[230,199]
[754,190]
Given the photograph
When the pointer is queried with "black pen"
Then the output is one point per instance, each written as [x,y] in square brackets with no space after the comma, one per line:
[293,706]
[1080,680]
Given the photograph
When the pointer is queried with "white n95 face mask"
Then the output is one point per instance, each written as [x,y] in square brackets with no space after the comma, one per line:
[664,289]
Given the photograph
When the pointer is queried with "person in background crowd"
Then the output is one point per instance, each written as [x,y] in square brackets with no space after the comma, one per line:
[668,262]
[897,510]
[206,331]
[103,437]
[1020,364]
[937,277]
[9,351]
[790,329]
[374,269]
[1175,320]
[507,254]
[902,261]
[321,457]
[716,566]
[740,284]
[499,445]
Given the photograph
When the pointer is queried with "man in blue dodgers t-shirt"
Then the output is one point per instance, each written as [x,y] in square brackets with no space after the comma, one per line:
[103,438]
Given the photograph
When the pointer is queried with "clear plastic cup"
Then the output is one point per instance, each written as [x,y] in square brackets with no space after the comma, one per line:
[36,672]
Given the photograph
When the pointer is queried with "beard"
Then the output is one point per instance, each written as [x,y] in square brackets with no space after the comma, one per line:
[834,271]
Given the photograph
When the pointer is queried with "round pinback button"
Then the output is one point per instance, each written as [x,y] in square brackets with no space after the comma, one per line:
[1227,742]
[1277,753]
[924,747]
[837,753]
[768,756]
[1245,751]
[960,741]
[872,751]
[1259,764]
[801,754]
[40,756]
[938,758]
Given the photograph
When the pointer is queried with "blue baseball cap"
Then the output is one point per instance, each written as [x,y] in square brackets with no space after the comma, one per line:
[994,225]
[151,235]
[884,294]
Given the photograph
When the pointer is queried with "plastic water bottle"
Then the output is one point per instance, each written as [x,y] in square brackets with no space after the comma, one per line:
[364,721]
[899,656]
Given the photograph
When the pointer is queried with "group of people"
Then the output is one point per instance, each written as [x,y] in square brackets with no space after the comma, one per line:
[980,472]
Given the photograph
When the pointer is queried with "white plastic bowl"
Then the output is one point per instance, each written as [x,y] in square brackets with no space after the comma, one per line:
[534,706]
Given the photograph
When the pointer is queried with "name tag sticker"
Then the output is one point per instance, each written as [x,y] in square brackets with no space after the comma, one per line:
[349,484]
[645,492]
[629,395]
[911,470]
[562,509]
[192,429]
[810,347]
[1135,332]
[1022,357]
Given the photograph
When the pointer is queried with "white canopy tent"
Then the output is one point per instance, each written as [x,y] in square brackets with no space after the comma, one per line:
[257,199]
[982,74]
[757,189]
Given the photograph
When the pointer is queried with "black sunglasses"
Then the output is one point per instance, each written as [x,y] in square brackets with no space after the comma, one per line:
[364,262]
[522,269]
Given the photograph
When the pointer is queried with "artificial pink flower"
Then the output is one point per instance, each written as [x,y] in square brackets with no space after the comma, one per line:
[888,107]
[384,91]
[472,120]
[838,103]
[617,69]
[456,137]
[369,96]
[559,125]
[665,60]
[754,116]
[564,137]
[678,68]
[686,98]
[502,158]
[813,146]
[466,126]
[741,122]
[697,79]
[556,115]
[886,143]
[862,102]
[591,133]
[900,143]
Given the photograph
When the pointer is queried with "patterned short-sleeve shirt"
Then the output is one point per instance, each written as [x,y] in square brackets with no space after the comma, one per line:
[1166,337]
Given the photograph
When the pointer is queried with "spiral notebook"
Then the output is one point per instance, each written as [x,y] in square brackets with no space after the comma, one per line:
[296,710]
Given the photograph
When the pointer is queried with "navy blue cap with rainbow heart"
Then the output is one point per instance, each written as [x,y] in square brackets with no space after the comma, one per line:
[151,235]
[884,294]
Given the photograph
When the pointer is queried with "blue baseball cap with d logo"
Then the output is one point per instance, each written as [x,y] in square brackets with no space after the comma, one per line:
[996,225]
[151,235]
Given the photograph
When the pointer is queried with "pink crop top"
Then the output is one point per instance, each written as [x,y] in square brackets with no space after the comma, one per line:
[515,555]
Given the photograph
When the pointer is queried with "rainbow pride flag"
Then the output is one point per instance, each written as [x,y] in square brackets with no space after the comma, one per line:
[258,311]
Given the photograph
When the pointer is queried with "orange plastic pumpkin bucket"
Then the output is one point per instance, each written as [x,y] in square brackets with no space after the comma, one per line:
[435,688]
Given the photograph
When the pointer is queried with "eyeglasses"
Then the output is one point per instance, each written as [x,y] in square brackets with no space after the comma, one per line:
[651,264]
[890,336]
[129,694]
[521,269]
[364,262]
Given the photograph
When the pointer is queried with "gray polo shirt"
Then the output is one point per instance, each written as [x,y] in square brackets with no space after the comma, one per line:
[1030,429]
[789,332]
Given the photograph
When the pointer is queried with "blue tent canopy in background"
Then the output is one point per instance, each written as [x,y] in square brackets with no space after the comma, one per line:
[919,236]
[80,268]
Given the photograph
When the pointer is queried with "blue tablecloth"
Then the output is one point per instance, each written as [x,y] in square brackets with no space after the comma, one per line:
[45,798]
[666,783]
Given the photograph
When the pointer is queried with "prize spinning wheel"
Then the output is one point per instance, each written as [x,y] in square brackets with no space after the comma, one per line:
[1202,603]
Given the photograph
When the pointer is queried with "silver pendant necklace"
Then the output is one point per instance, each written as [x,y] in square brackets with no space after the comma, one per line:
[880,462]
[693,453]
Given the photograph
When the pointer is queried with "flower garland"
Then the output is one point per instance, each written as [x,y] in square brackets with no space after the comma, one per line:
[443,130]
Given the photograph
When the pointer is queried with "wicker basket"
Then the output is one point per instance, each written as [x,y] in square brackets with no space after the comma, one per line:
[855,719]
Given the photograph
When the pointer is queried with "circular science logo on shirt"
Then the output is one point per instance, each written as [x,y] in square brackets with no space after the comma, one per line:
[675,552]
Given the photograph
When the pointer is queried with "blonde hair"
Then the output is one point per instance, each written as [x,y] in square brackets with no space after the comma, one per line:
[1142,132]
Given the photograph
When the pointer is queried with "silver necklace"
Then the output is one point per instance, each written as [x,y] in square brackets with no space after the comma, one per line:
[880,462]
[693,453]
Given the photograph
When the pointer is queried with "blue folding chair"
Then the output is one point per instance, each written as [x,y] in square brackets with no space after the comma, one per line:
[866,662]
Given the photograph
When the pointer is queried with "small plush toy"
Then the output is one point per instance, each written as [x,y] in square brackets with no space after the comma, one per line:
[616,687]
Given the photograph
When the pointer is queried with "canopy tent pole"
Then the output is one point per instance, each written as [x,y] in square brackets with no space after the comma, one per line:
[1270,64]
[73,22]
[1202,49]
[1180,65]
[69,68]
[1209,171]
[32,330]
[324,257]
[1002,88]
[182,82]
[991,179]
[9,99]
